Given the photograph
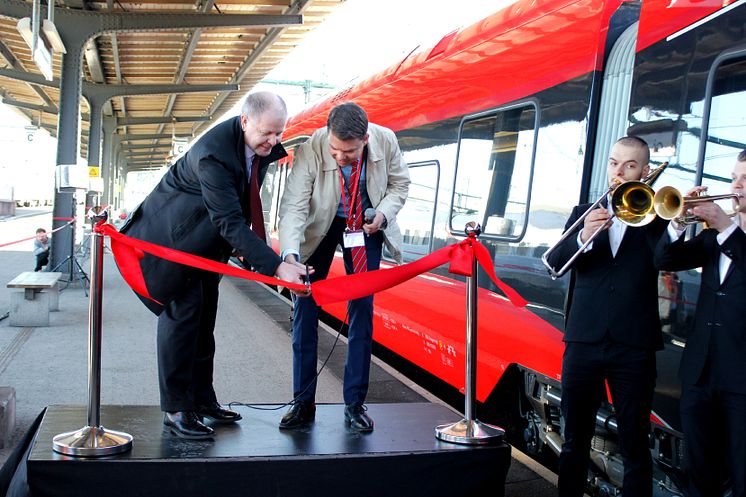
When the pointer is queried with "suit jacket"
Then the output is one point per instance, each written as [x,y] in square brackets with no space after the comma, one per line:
[312,192]
[719,330]
[201,206]
[614,295]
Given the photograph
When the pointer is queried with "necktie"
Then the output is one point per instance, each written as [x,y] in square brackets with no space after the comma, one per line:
[255,201]
[359,257]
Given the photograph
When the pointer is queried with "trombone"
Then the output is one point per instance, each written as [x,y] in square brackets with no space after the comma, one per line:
[669,203]
[631,202]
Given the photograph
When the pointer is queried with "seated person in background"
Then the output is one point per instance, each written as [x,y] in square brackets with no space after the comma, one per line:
[41,249]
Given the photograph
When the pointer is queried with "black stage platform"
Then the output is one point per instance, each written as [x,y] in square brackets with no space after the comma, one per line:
[255,458]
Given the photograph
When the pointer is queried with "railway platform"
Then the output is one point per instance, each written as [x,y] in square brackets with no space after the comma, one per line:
[47,369]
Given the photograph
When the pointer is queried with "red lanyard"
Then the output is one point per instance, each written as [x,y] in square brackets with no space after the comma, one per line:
[353,195]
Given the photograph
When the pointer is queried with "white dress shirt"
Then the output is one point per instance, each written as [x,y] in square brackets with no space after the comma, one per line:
[616,232]
[725,261]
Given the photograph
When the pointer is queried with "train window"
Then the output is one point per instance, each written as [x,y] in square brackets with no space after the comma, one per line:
[493,172]
[271,200]
[725,123]
[726,126]
[417,218]
[268,188]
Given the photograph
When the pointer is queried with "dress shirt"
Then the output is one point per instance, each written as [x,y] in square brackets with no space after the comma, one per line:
[616,232]
[724,263]
[249,160]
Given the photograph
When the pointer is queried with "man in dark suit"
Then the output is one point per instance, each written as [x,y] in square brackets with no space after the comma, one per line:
[612,332]
[713,367]
[207,204]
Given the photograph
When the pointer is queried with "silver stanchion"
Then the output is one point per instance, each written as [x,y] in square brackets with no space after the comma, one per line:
[470,431]
[93,440]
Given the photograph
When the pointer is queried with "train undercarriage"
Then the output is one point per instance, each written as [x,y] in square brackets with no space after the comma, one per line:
[539,415]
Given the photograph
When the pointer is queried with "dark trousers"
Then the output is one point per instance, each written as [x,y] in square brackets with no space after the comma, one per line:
[186,346]
[360,331]
[714,424]
[41,261]
[630,373]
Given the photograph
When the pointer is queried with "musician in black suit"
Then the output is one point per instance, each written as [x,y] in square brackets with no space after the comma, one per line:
[612,332]
[207,204]
[713,367]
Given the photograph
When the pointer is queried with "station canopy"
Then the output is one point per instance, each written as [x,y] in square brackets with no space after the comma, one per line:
[157,56]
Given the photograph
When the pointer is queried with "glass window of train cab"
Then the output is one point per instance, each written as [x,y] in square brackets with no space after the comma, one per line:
[268,188]
[725,124]
[493,172]
[416,219]
[271,193]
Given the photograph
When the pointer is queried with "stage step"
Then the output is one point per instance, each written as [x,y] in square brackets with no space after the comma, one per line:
[401,457]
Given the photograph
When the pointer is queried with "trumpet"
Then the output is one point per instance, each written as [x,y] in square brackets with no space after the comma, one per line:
[669,203]
[631,202]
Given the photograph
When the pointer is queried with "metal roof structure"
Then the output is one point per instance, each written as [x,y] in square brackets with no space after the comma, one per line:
[152,69]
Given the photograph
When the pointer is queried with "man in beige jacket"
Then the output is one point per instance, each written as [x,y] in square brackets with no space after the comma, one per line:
[347,184]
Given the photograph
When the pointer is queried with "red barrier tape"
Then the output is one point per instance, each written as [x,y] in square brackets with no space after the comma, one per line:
[460,256]
[32,237]
[129,251]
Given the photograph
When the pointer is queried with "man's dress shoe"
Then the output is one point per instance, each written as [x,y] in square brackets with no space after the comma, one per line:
[186,424]
[300,414]
[357,418]
[214,412]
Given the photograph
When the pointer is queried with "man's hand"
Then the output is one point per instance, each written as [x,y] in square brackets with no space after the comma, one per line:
[712,214]
[375,225]
[696,191]
[293,271]
[593,221]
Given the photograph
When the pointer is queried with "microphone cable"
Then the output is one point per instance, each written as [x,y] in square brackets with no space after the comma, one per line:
[318,373]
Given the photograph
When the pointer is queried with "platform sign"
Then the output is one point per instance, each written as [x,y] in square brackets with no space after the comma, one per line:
[71,177]
[179,146]
[96,184]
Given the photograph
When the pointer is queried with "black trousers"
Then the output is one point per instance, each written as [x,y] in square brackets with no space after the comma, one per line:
[41,261]
[186,346]
[630,373]
[714,424]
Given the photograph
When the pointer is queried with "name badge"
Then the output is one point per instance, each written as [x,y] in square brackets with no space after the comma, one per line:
[354,238]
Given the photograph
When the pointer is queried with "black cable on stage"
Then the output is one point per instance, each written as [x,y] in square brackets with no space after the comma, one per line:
[323,365]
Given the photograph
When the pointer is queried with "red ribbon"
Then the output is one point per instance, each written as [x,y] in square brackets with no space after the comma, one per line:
[129,251]
[460,255]
[32,237]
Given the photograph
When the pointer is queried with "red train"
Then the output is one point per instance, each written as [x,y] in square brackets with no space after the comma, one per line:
[509,122]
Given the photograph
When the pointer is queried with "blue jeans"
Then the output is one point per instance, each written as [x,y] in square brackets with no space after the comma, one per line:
[360,331]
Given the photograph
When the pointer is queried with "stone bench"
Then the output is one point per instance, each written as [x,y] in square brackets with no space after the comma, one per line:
[41,294]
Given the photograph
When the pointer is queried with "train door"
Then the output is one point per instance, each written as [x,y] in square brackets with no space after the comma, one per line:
[613,106]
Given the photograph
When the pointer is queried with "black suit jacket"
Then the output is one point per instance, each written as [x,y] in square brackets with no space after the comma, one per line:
[614,295]
[201,206]
[719,332]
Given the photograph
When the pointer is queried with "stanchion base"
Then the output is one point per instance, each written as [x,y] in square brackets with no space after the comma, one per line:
[469,432]
[92,441]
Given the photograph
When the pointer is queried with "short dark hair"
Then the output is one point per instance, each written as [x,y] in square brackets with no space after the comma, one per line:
[742,156]
[348,121]
[637,142]
[40,230]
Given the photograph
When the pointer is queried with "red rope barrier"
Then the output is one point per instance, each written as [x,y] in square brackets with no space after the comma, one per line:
[129,251]
[32,237]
